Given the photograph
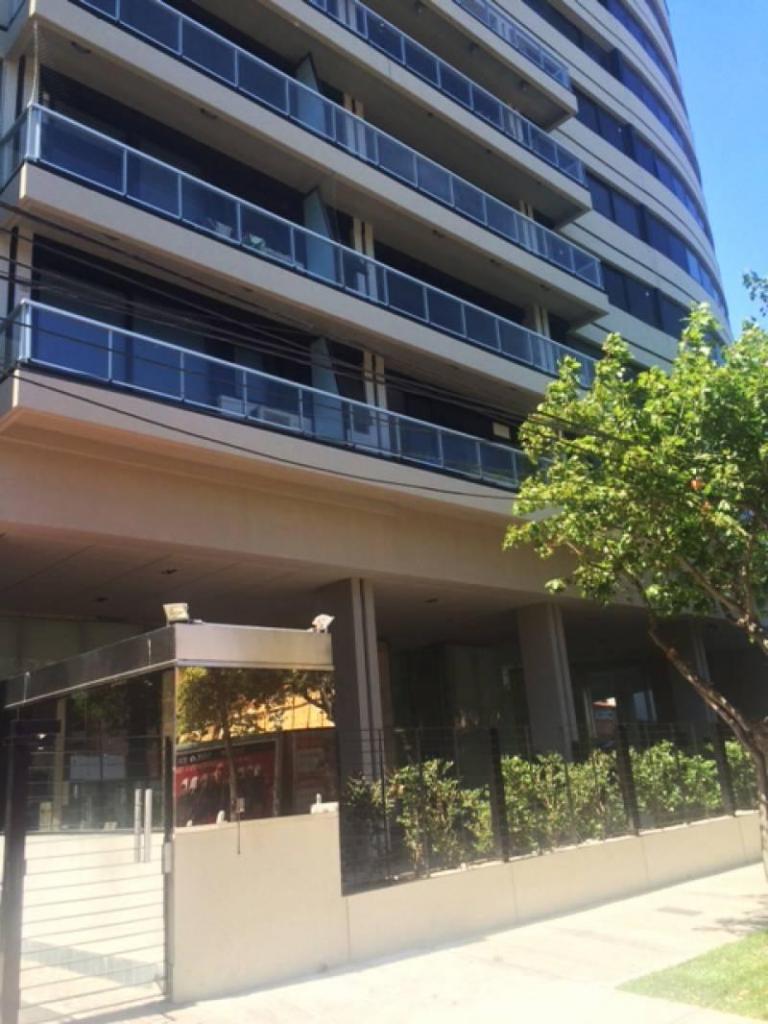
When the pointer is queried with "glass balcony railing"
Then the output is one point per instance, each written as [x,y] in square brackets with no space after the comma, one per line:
[504,26]
[42,336]
[8,11]
[266,85]
[196,45]
[64,146]
[405,51]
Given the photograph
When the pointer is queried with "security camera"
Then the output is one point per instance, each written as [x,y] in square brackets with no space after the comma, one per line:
[320,624]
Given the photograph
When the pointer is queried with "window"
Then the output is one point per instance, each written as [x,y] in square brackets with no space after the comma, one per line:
[641,300]
[623,137]
[601,197]
[627,214]
[672,316]
[614,287]
[616,64]
[642,224]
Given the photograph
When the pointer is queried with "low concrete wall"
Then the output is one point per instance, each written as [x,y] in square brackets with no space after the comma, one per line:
[272,908]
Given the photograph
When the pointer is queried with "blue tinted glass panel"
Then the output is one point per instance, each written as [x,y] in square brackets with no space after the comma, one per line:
[487,107]
[421,62]
[212,384]
[419,443]
[435,181]
[469,200]
[455,85]
[266,236]
[384,37]
[264,84]
[355,271]
[461,454]
[147,365]
[70,344]
[481,327]
[209,210]
[158,23]
[446,313]
[80,152]
[502,219]
[209,51]
[153,185]
[311,110]
[515,342]
[406,295]
[397,159]
[273,402]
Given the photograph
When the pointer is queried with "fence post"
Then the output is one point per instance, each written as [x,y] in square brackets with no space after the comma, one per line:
[426,839]
[724,773]
[25,735]
[499,819]
[627,779]
[573,830]
[385,816]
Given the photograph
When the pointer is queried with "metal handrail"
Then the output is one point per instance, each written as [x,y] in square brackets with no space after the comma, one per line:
[383,35]
[196,45]
[63,145]
[55,339]
[505,27]
[238,69]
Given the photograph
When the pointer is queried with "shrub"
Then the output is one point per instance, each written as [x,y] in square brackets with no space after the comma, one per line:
[674,786]
[425,813]
[443,824]
[743,775]
[553,803]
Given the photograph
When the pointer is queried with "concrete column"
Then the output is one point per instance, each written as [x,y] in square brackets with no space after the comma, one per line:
[359,713]
[688,638]
[551,710]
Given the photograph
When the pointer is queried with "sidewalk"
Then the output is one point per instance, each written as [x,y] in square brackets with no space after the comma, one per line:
[562,969]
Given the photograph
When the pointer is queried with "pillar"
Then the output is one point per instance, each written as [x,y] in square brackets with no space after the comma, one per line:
[689,707]
[358,708]
[551,710]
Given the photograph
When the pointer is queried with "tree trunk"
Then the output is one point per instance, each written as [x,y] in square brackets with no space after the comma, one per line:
[761,771]
[753,736]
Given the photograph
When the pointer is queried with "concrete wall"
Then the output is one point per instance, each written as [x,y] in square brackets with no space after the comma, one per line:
[273,908]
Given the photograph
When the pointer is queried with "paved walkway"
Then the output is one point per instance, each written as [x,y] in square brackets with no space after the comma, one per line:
[564,969]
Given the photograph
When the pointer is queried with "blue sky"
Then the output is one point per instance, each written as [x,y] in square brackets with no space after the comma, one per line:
[722,48]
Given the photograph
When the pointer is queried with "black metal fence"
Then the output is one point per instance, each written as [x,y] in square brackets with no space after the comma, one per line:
[417,801]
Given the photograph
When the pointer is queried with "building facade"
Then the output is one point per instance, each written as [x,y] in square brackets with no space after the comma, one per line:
[282,279]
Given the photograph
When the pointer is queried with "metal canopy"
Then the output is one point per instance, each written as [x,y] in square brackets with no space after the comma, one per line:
[195,643]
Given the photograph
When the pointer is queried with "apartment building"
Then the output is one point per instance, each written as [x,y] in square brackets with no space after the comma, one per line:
[282,278]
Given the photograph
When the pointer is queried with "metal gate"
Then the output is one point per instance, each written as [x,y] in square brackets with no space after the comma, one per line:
[92,937]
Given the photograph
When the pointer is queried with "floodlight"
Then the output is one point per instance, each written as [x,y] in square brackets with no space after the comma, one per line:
[176,612]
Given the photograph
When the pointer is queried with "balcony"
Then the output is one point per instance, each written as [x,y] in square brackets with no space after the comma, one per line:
[64,146]
[397,46]
[202,49]
[215,55]
[504,26]
[43,337]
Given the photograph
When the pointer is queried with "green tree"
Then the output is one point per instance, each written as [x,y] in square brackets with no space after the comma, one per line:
[655,485]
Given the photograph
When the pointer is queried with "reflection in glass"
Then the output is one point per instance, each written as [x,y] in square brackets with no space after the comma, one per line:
[252,743]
